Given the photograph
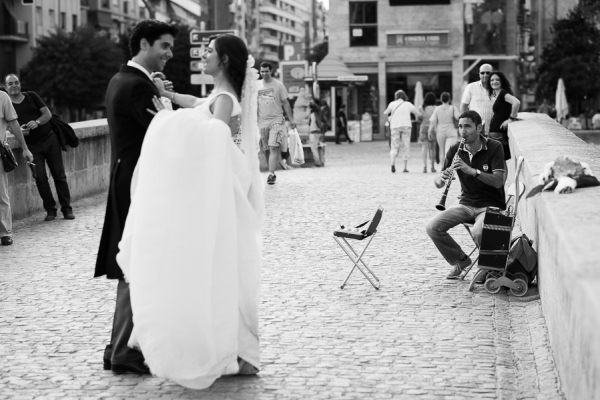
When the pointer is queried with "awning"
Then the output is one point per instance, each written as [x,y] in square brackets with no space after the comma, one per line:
[331,68]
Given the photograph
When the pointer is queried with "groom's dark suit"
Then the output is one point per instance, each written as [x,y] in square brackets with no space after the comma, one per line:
[128,97]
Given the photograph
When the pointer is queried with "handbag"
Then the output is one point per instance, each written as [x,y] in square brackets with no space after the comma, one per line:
[9,161]
[296,149]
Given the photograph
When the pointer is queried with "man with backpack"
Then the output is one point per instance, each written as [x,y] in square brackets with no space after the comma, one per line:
[34,118]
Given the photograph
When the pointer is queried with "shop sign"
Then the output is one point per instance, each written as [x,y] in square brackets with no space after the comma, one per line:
[417,39]
[292,75]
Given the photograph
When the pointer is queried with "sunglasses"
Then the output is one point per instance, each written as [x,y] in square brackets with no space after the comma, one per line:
[484,73]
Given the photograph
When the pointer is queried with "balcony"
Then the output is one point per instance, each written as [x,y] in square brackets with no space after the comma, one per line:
[12,29]
[276,26]
[266,40]
[270,9]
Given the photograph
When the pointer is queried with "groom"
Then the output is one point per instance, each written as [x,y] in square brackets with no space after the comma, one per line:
[128,97]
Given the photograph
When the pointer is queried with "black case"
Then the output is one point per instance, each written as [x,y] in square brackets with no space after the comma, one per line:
[495,239]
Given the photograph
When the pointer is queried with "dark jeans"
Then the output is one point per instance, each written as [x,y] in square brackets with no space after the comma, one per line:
[341,131]
[48,151]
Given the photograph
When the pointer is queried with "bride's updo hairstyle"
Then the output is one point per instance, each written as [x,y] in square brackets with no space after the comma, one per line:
[237,55]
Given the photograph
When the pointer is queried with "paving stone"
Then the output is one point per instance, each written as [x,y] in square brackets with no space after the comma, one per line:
[419,337]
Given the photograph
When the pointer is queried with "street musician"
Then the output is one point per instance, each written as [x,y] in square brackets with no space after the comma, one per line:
[479,164]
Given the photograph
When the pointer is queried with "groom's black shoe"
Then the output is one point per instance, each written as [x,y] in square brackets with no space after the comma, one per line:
[135,367]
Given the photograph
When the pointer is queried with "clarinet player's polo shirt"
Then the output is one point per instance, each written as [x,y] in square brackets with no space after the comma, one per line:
[488,159]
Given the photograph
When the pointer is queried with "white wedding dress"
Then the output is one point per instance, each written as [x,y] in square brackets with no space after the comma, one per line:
[191,248]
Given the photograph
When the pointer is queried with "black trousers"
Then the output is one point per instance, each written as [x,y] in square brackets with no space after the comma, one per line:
[117,352]
[341,131]
[48,152]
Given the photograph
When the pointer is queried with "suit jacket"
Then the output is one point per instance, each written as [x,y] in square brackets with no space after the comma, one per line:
[128,97]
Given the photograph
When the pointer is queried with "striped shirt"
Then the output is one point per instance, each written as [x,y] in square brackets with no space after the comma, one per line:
[479,100]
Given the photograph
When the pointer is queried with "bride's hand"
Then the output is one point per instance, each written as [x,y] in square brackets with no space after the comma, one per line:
[158,105]
[160,85]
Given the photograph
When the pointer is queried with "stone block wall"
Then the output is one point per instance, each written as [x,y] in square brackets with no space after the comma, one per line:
[566,231]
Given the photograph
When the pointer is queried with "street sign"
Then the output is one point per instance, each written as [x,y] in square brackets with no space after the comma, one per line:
[202,79]
[196,52]
[201,37]
[196,66]
[292,51]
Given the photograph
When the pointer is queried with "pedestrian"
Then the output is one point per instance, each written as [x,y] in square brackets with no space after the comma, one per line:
[479,167]
[596,120]
[8,119]
[195,294]
[427,140]
[128,97]
[272,103]
[315,136]
[34,118]
[398,114]
[342,125]
[444,122]
[476,98]
[506,106]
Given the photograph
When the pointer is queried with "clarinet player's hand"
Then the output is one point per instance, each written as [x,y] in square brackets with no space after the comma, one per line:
[459,164]
[446,174]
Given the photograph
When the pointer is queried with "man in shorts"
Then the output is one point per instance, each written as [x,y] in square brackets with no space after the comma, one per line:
[272,103]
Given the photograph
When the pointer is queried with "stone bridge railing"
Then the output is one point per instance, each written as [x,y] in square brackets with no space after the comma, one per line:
[566,231]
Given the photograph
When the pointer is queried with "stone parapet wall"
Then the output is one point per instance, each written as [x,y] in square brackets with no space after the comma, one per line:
[87,167]
[566,231]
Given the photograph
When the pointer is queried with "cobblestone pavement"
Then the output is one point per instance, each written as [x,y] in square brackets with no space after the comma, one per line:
[419,337]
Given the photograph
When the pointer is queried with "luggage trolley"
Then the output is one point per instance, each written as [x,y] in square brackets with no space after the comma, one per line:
[495,246]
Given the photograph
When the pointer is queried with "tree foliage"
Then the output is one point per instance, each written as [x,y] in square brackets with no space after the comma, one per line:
[72,70]
[574,56]
[318,52]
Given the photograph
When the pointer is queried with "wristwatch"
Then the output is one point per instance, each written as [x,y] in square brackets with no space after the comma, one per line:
[477,173]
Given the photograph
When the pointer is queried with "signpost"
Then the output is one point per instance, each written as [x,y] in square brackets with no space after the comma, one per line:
[198,41]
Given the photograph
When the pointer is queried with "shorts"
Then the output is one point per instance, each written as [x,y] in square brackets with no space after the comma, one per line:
[272,135]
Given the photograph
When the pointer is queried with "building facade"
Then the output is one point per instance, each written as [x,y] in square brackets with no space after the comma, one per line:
[23,22]
[439,43]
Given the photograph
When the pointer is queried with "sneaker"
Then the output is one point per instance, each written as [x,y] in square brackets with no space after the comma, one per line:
[458,268]
[424,170]
[433,169]
[481,277]
[271,179]
[393,168]
[6,240]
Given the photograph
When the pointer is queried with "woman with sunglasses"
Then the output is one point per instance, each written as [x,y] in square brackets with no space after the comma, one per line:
[506,106]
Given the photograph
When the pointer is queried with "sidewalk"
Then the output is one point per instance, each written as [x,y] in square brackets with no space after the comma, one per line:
[419,337]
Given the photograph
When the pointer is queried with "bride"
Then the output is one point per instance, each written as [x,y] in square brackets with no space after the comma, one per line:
[191,245]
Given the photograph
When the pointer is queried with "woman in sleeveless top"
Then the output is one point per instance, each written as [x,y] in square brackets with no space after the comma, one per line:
[444,123]
[191,246]
[427,142]
[506,106]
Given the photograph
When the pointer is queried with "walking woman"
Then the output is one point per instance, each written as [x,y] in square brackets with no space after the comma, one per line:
[444,122]
[505,109]
[398,113]
[427,141]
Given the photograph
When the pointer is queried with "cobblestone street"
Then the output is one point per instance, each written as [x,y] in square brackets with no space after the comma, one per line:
[419,337]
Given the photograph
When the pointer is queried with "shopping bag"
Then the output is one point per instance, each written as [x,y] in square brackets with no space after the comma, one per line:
[296,149]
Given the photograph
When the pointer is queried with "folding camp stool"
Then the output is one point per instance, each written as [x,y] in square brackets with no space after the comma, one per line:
[341,234]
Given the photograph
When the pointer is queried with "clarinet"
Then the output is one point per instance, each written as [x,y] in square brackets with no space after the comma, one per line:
[442,204]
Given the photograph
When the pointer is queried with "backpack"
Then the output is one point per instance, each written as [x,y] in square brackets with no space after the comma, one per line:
[522,258]
[66,135]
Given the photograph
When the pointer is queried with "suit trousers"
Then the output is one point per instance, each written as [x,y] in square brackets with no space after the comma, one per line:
[117,352]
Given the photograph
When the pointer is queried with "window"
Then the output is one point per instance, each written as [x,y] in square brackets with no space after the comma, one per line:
[363,23]
[105,4]
[63,21]
[418,2]
[52,18]
[126,7]
[85,3]
[74,21]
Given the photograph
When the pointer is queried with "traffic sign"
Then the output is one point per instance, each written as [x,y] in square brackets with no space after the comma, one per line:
[196,52]
[201,37]
[196,66]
